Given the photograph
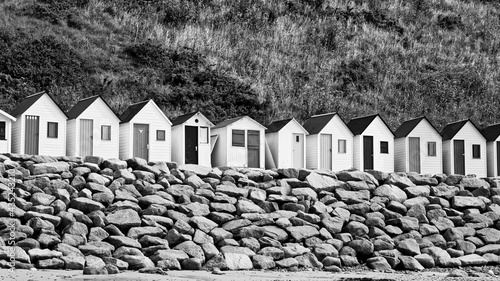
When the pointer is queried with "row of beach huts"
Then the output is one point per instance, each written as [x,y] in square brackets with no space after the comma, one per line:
[38,126]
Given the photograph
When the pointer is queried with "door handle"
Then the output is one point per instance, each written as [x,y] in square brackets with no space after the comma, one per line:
[196,148]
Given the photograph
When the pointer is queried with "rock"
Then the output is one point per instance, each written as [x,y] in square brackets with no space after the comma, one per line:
[244,206]
[169,263]
[446,192]
[73,262]
[465,202]
[237,261]
[99,249]
[53,263]
[287,263]
[425,260]
[324,250]
[409,247]
[123,219]
[137,262]
[458,273]
[49,168]
[118,241]
[362,247]
[85,205]
[193,250]
[232,191]
[352,197]
[263,262]
[489,235]
[410,263]
[323,183]
[390,191]
[399,181]
[300,233]
[191,263]
[357,228]
[115,164]
[378,263]
[473,183]
[473,260]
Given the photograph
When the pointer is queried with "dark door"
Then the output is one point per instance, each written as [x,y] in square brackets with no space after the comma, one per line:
[32,134]
[325,152]
[459,156]
[367,152]
[498,158]
[86,137]
[253,149]
[414,154]
[191,142]
[141,141]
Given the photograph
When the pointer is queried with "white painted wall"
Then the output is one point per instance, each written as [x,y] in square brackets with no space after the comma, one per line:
[219,154]
[428,164]
[47,111]
[5,145]
[273,140]
[102,115]
[150,115]
[281,144]
[380,132]
[447,157]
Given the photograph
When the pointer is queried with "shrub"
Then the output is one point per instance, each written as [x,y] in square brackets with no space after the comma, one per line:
[449,21]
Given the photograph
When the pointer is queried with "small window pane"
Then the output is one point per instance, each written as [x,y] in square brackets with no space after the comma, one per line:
[2,131]
[297,138]
[203,134]
[105,132]
[384,147]
[476,151]
[160,135]
[52,129]
[431,148]
[342,146]
[238,138]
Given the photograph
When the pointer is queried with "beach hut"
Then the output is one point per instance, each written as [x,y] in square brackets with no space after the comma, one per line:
[492,135]
[93,129]
[373,143]
[329,143]
[287,142]
[238,142]
[418,147]
[5,131]
[464,149]
[145,132]
[191,142]
[40,127]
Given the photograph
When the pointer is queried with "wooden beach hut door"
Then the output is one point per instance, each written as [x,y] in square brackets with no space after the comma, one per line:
[498,158]
[459,156]
[141,141]
[191,145]
[325,150]
[367,152]
[86,137]
[298,151]
[32,134]
[253,149]
[414,154]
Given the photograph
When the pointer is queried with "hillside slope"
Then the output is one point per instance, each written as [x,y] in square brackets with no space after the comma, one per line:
[269,59]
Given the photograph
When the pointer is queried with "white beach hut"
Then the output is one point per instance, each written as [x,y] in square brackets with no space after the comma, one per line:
[145,132]
[492,135]
[238,142]
[40,127]
[418,147]
[464,149]
[329,143]
[287,142]
[191,142]
[93,129]
[373,143]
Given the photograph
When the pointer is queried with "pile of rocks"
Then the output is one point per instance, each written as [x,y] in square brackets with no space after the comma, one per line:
[103,216]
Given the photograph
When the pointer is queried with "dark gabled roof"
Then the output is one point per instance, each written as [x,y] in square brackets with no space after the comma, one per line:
[227,122]
[83,104]
[277,125]
[492,132]
[316,123]
[408,126]
[29,101]
[358,125]
[183,118]
[132,111]
[450,130]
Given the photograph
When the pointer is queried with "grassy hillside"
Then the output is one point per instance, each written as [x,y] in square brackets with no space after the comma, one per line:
[269,59]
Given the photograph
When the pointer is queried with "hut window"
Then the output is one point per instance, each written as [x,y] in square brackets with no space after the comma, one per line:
[2,131]
[238,137]
[105,132]
[431,148]
[342,146]
[52,130]
[384,147]
[203,134]
[160,135]
[476,151]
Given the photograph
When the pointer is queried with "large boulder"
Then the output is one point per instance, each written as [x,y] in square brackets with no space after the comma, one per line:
[123,219]
[390,191]
[49,168]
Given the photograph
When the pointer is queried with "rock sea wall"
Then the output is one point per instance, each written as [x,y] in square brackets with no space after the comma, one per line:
[104,216]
